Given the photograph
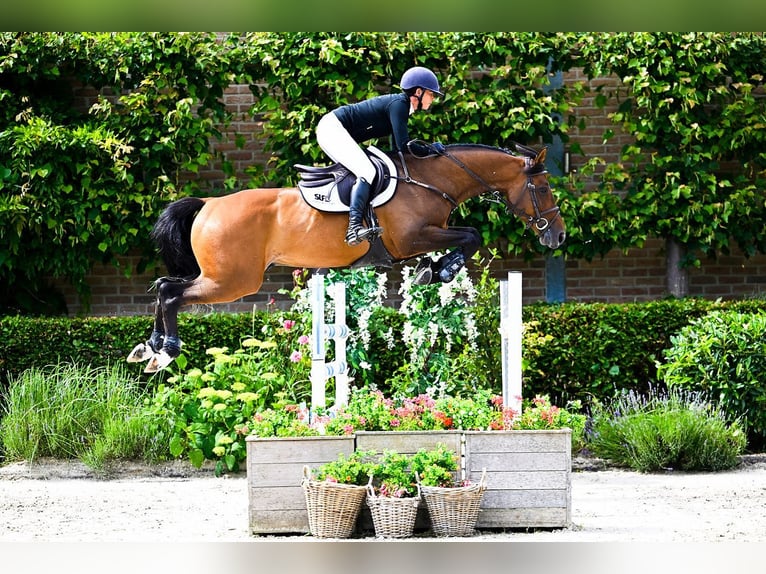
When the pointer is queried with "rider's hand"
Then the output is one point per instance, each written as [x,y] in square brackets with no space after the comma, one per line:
[418,149]
[438,148]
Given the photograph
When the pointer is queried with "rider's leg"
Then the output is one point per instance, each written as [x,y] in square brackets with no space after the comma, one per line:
[360,196]
[336,142]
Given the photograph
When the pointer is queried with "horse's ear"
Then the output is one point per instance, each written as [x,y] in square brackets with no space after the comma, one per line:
[541,156]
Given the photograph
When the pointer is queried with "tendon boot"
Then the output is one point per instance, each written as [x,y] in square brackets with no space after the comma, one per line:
[449,265]
[360,195]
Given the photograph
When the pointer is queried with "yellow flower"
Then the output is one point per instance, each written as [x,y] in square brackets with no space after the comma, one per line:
[219,451]
[217,350]
[238,387]
[247,397]
[219,407]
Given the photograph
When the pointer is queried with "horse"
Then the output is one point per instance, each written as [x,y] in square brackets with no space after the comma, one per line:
[217,249]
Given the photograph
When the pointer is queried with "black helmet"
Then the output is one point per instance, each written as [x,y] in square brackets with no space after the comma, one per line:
[419,77]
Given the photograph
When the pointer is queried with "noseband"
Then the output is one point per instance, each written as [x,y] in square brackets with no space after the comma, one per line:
[539,219]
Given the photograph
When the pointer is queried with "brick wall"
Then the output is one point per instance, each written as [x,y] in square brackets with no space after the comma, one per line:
[637,275]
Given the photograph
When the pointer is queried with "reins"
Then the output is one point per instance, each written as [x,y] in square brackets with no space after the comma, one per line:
[408,179]
[539,219]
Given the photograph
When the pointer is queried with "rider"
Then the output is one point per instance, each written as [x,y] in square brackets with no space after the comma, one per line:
[340,132]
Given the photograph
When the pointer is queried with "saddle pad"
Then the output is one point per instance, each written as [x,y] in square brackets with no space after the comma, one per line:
[327,197]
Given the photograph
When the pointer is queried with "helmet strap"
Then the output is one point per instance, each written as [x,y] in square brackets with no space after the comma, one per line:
[420,99]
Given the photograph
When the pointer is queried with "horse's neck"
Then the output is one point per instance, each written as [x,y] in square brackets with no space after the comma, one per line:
[468,175]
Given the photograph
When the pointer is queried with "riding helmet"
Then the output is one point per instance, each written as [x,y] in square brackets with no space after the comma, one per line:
[419,77]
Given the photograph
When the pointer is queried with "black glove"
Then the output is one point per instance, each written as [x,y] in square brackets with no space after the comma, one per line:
[418,149]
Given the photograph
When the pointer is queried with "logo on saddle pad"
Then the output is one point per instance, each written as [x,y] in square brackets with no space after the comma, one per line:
[328,188]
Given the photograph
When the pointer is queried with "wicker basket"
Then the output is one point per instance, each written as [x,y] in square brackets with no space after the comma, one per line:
[454,510]
[392,517]
[333,507]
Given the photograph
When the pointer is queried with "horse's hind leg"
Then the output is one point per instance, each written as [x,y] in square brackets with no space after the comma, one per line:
[169,300]
[145,351]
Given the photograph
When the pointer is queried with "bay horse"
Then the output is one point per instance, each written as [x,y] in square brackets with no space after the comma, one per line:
[217,249]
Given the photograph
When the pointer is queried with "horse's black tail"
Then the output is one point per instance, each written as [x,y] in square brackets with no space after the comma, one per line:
[172,235]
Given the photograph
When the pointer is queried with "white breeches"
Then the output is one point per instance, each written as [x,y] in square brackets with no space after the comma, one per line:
[336,142]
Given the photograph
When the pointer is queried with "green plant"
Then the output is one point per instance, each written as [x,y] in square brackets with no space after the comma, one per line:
[723,355]
[83,182]
[439,321]
[283,420]
[666,430]
[74,411]
[211,409]
[539,414]
[436,467]
[355,468]
[394,476]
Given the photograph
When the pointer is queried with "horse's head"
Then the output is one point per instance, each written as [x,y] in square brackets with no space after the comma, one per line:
[531,199]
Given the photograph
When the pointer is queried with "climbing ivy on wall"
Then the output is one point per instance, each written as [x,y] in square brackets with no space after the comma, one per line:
[79,186]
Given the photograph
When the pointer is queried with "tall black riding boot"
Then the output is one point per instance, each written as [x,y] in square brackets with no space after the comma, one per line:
[360,195]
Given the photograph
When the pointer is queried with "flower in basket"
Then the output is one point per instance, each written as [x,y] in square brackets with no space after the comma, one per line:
[354,468]
[393,476]
[436,467]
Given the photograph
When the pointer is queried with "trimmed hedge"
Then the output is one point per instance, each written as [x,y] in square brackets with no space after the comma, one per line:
[571,350]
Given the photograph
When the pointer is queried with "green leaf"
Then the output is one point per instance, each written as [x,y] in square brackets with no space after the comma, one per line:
[197,457]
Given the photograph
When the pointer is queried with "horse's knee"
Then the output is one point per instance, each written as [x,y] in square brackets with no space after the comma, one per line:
[472,244]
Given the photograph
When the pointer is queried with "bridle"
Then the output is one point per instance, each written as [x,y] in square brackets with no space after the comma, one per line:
[541,220]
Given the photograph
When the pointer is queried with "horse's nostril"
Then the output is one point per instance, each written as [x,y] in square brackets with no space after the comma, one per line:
[562,237]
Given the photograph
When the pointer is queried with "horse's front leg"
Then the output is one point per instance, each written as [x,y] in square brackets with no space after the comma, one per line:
[145,351]
[466,241]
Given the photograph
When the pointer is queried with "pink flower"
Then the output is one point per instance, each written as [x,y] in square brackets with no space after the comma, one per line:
[348,429]
[303,340]
[296,356]
[288,324]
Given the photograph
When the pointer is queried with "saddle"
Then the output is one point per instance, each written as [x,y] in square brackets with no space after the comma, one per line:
[328,188]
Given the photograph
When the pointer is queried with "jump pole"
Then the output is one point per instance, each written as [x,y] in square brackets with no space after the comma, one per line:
[511,327]
[322,370]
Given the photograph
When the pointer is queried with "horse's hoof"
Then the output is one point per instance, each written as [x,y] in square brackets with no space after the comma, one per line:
[141,352]
[158,362]
[423,272]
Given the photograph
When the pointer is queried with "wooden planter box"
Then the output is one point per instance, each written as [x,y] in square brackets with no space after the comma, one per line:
[277,504]
[528,477]
[409,442]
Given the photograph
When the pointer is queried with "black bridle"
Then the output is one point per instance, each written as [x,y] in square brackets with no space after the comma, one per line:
[541,220]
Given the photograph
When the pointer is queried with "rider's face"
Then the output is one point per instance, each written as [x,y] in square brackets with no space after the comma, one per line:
[428,98]
[426,101]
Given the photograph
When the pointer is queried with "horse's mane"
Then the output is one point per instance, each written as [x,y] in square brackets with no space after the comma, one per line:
[519,150]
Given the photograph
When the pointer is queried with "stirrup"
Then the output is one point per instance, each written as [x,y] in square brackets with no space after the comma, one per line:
[355,235]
